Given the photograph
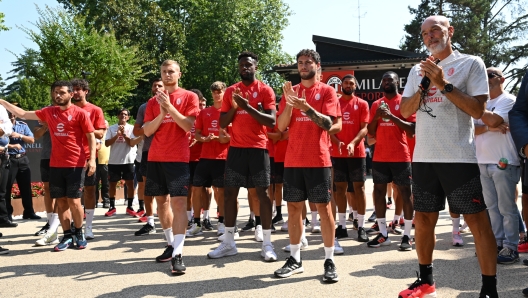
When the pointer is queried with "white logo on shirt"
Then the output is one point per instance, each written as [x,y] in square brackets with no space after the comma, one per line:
[356,107]
[255,94]
[317,96]
[346,115]
[397,107]
[214,123]
[60,127]
[69,117]
[178,101]
[168,115]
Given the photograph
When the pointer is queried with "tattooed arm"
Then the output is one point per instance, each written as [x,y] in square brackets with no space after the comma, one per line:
[323,121]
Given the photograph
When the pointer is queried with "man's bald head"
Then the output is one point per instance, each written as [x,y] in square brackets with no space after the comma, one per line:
[495,71]
[437,19]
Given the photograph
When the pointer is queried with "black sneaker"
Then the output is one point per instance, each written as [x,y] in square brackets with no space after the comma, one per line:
[291,267]
[373,230]
[43,230]
[330,272]
[355,224]
[3,251]
[206,225]
[405,243]
[362,235]
[351,217]
[177,266]
[373,217]
[250,226]
[341,233]
[166,255]
[273,229]
[277,220]
[486,294]
[379,241]
[147,229]
[106,203]
[306,222]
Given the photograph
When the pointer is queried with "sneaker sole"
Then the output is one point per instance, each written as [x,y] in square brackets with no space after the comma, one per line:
[177,272]
[296,271]
[145,234]
[54,242]
[330,280]
[90,237]
[271,259]
[225,255]
[458,244]
[339,252]
[405,248]
[279,222]
[58,249]
[386,243]
[363,240]
[163,260]
[508,262]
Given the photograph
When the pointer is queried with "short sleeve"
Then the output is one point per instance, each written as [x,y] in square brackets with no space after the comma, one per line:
[198,123]
[504,106]
[364,110]
[42,115]
[282,105]
[269,99]
[193,105]
[330,103]
[109,133]
[99,122]
[226,102]
[149,111]
[140,117]
[411,118]
[27,131]
[86,124]
[373,109]
[411,87]
[477,83]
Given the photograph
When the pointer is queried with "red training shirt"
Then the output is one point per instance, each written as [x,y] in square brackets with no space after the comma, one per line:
[354,112]
[98,121]
[208,122]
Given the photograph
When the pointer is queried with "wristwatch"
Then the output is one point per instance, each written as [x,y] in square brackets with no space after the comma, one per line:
[447,88]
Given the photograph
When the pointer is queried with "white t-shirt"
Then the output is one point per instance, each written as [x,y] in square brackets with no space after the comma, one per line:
[448,137]
[120,152]
[494,145]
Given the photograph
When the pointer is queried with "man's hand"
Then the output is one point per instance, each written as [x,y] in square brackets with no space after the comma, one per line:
[350,148]
[298,103]
[502,128]
[163,99]
[194,141]
[239,100]
[381,112]
[15,146]
[433,71]
[120,130]
[287,90]
[15,135]
[339,145]
[90,167]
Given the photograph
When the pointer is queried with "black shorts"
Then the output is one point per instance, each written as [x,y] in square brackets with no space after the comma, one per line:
[45,170]
[137,171]
[247,167]
[459,182]
[279,172]
[209,172]
[524,176]
[272,170]
[90,180]
[66,182]
[167,178]
[144,163]
[118,172]
[387,172]
[312,183]
[349,169]
[192,169]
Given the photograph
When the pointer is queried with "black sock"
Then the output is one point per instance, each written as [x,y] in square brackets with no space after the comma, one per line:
[130,202]
[257,220]
[68,232]
[279,211]
[141,205]
[389,199]
[112,202]
[221,219]
[426,273]
[197,221]
[489,286]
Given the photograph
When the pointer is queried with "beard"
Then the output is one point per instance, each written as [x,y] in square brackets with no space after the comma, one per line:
[348,91]
[169,83]
[247,76]
[61,102]
[308,76]
[389,89]
[442,44]
[76,99]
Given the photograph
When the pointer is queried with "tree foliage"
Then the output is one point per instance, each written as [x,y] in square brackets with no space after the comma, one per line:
[2,26]
[67,46]
[494,30]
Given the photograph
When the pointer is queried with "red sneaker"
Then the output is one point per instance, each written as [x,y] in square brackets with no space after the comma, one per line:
[419,289]
[523,246]
[140,213]
[143,218]
[111,212]
[402,221]
[130,212]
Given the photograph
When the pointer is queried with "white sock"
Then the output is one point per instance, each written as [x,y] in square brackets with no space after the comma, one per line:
[267,237]
[54,222]
[361,220]
[456,224]
[314,217]
[382,226]
[295,251]
[169,236]
[355,213]
[177,244]
[252,215]
[342,219]
[230,235]
[150,220]
[407,228]
[206,214]
[48,215]
[189,215]
[396,218]
[303,235]
[89,217]
[274,205]
[329,253]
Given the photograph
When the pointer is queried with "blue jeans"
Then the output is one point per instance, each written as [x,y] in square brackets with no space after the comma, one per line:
[498,188]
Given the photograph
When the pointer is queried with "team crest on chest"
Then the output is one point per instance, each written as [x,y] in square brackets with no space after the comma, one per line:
[356,107]
[178,101]
[255,94]
[397,107]
[69,117]
[317,96]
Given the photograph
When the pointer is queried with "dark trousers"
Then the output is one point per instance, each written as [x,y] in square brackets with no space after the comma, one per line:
[20,170]
[102,175]
[4,173]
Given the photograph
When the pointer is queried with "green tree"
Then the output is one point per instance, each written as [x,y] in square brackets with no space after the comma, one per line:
[67,46]
[494,30]
[2,26]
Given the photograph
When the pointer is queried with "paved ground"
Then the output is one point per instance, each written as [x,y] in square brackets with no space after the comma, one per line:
[118,264]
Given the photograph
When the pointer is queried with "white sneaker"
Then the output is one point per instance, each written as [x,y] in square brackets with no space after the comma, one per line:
[259,237]
[338,250]
[195,230]
[464,228]
[316,227]
[221,229]
[222,237]
[48,239]
[268,253]
[284,227]
[224,250]
[304,244]
[88,234]
[457,240]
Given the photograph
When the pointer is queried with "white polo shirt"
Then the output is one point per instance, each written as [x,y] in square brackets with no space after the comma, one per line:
[120,152]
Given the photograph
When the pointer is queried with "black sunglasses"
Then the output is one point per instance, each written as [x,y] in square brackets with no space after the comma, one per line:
[492,75]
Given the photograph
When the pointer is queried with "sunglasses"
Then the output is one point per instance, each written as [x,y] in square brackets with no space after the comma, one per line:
[492,75]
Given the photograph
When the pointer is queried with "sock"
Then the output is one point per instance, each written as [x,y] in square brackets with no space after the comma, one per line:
[295,251]
[355,213]
[361,220]
[314,217]
[141,205]
[130,202]
[382,226]
[456,225]
[197,221]
[252,215]
[426,273]
[329,253]
[206,214]
[54,222]
[342,219]
[489,285]
[189,215]
[48,215]
[408,227]
[179,239]
[169,236]
[257,221]
[150,220]
[396,218]
[279,210]
[112,203]
[267,237]
[220,219]
[230,235]
[89,217]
